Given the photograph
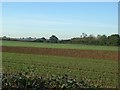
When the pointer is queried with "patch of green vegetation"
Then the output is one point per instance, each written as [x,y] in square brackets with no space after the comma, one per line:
[58,45]
[95,72]
[25,81]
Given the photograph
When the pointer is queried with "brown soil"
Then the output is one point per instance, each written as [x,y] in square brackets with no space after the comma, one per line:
[94,54]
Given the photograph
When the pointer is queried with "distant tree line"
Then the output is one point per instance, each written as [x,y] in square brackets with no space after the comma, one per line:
[112,40]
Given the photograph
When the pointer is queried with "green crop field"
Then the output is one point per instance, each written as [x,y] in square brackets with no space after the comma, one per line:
[102,72]
[64,46]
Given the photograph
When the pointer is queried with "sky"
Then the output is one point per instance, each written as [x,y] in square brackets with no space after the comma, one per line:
[63,19]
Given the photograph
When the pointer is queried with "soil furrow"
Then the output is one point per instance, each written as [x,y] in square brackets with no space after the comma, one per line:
[94,54]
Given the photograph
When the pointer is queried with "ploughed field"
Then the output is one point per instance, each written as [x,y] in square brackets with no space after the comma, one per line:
[97,65]
[95,54]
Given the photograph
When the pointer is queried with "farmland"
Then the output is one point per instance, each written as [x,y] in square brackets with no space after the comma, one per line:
[95,71]
[63,46]
[103,71]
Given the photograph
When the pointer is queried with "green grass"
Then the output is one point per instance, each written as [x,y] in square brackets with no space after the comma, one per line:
[64,46]
[102,72]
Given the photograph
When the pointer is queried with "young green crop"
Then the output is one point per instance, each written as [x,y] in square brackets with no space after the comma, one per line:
[58,45]
[96,72]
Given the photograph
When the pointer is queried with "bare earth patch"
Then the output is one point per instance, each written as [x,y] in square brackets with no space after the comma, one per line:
[94,54]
